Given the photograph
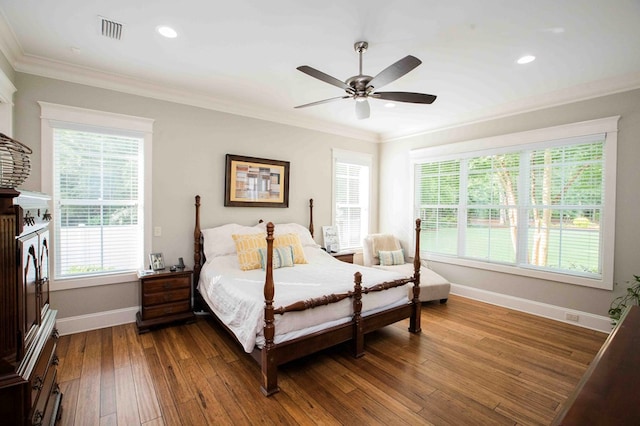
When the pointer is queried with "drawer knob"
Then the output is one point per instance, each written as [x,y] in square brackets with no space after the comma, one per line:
[167,285]
[37,418]
[38,383]
[55,360]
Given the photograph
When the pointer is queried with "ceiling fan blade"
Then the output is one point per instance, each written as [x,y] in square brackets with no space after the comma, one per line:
[414,98]
[362,109]
[324,77]
[323,101]
[394,71]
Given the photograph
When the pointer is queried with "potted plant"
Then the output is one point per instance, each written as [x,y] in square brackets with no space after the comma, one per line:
[620,303]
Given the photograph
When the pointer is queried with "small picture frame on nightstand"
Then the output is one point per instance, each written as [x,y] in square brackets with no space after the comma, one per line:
[157,261]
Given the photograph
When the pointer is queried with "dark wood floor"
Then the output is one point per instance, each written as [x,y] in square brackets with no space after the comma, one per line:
[473,363]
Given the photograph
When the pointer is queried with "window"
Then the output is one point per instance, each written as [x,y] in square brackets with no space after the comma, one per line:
[96,172]
[351,183]
[534,204]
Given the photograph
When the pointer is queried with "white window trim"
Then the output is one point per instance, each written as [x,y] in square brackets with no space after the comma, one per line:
[7,89]
[608,125]
[354,157]
[61,113]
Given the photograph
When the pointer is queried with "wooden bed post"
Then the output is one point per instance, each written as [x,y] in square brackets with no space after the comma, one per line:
[311,216]
[197,257]
[414,322]
[358,331]
[269,364]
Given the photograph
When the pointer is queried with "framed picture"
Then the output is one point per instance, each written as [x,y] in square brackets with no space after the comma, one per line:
[157,261]
[256,182]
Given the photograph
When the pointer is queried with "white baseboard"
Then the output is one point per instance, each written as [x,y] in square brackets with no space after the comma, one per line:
[98,320]
[80,323]
[558,313]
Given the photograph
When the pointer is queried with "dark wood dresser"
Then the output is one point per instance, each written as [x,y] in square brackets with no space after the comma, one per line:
[29,391]
[608,392]
[165,297]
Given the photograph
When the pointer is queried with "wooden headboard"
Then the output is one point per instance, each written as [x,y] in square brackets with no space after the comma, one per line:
[198,242]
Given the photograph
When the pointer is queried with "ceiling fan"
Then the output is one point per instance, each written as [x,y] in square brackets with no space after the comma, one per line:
[360,87]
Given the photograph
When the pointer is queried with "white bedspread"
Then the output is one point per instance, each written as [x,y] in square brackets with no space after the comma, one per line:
[237,296]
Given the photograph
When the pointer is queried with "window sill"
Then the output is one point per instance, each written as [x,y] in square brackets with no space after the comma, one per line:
[526,272]
[93,281]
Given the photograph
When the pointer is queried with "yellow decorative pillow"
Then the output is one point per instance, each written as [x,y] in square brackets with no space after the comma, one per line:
[247,247]
[292,240]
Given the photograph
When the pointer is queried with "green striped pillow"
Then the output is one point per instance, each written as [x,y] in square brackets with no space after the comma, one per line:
[390,258]
[282,257]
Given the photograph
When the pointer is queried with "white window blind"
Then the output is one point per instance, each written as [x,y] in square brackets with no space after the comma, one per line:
[537,206]
[351,198]
[98,188]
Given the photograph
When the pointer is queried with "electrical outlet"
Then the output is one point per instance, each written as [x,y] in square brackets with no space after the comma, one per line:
[157,231]
[571,317]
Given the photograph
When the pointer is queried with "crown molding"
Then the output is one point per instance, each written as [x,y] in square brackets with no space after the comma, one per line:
[87,76]
[581,92]
[9,45]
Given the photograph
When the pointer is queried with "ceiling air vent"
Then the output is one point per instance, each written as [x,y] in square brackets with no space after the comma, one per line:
[110,28]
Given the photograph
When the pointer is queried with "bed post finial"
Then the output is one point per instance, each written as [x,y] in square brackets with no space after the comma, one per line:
[269,366]
[414,322]
[311,216]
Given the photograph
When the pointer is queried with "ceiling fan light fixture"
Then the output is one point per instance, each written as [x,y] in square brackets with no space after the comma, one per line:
[361,87]
[526,59]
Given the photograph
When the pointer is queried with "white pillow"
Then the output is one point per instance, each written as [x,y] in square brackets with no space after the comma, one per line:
[218,240]
[292,228]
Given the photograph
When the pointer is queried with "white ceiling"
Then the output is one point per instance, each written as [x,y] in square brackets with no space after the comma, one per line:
[241,56]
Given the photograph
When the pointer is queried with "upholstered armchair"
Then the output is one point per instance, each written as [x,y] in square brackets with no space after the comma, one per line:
[385,251]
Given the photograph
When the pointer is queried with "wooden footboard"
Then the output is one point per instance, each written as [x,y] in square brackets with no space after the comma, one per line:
[272,355]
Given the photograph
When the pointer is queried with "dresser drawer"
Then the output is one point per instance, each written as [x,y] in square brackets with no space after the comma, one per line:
[165,284]
[156,298]
[167,309]
[45,397]
[37,379]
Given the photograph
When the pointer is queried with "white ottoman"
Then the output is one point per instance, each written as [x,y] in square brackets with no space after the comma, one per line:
[433,286]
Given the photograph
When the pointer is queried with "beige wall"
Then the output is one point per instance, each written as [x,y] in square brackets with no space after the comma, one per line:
[396,203]
[189,147]
[6,68]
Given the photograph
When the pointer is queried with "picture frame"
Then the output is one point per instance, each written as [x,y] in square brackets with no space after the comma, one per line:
[331,239]
[156,261]
[256,182]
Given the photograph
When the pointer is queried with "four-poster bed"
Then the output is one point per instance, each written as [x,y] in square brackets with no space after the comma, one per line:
[301,310]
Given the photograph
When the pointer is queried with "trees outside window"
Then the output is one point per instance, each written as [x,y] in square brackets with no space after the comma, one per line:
[539,207]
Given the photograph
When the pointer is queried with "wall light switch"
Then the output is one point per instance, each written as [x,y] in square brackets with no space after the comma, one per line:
[157,231]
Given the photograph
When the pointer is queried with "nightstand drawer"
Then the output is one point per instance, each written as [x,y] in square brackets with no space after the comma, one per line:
[166,284]
[165,297]
[344,257]
[165,310]
[181,294]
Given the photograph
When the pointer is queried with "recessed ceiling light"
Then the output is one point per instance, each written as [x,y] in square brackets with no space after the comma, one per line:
[168,32]
[390,105]
[526,59]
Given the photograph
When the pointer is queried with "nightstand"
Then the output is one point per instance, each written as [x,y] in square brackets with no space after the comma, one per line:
[344,256]
[165,298]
